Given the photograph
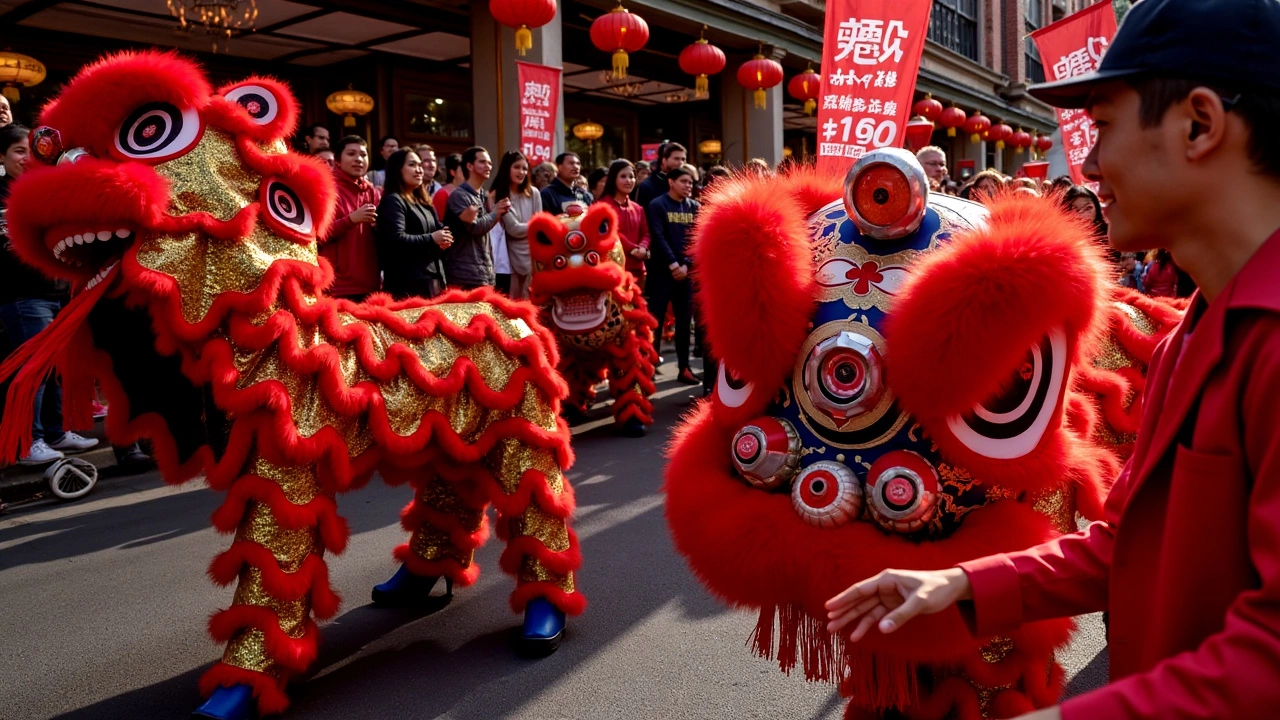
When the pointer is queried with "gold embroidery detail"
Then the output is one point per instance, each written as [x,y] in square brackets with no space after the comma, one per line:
[298,483]
[290,547]
[248,650]
[996,650]
[291,614]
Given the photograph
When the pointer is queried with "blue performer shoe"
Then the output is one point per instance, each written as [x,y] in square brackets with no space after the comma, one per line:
[405,589]
[543,629]
[228,703]
[632,428]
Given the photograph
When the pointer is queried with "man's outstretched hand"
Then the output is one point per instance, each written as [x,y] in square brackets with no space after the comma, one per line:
[893,597]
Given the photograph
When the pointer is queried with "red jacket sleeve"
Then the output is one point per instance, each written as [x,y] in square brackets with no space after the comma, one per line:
[1233,673]
[1063,577]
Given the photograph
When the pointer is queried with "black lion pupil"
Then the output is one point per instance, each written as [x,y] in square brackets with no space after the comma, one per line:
[881,196]
[845,373]
[819,487]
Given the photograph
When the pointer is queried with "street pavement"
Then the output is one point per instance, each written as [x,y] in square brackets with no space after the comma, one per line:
[105,603]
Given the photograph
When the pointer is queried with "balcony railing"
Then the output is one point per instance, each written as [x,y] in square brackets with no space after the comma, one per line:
[953,24]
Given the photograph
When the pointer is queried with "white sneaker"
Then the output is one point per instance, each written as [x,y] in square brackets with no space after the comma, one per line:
[40,454]
[74,443]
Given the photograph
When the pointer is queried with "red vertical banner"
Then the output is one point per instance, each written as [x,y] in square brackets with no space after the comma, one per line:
[870,59]
[539,100]
[1070,47]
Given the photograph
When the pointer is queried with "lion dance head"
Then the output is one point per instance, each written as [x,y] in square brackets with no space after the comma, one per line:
[902,384]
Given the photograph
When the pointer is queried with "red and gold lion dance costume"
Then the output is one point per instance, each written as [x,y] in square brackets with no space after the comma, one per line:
[596,311]
[189,232]
[907,381]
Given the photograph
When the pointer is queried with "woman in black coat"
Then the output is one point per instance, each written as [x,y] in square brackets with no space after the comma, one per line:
[411,239]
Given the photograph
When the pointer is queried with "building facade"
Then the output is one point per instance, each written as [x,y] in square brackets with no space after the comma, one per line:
[442,72]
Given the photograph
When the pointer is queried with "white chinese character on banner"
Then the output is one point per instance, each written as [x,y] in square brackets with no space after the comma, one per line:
[1077,137]
[1096,47]
[891,79]
[859,105]
[829,129]
[537,94]
[890,108]
[875,106]
[879,78]
[846,102]
[869,41]
[830,102]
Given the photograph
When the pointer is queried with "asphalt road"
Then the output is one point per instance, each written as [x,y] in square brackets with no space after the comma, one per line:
[104,604]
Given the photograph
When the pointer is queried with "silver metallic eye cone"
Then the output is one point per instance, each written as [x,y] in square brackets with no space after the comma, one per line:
[917,184]
[848,401]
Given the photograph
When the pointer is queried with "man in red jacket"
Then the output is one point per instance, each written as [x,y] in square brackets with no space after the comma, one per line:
[1188,557]
[350,246]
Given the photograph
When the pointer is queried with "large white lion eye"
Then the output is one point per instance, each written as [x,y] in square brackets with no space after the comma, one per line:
[1010,425]
[287,207]
[258,101]
[158,131]
[731,390]
[827,494]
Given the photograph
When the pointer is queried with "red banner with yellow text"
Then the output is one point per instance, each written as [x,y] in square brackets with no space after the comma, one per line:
[870,59]
[539,100]
[1070,47]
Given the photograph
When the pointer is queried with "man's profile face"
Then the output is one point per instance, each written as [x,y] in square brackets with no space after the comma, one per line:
[327,156]
[569,169]
[6,113]
[482,167]
[673,161]
[1135,171]
[389,147]
[935,165]
[319,141]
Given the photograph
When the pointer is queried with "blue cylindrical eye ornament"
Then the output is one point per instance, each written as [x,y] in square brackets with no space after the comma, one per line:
[766,452]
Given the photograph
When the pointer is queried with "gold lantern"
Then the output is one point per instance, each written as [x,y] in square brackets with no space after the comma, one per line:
[349,103]
[710,147]
[15,70]
[588,131]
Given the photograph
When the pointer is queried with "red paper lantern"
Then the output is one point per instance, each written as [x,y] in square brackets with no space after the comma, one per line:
[758,74]
[702,59]
[998,134]
[928,108]
[619,32]
[1020,140]
[1043,143]
[976,125]
[919,133]
[806,86]
[523,15]
[951,118]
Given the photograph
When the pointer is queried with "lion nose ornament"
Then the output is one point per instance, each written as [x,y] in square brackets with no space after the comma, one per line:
[766,452]
[827,494]
[844,375]
[902,488]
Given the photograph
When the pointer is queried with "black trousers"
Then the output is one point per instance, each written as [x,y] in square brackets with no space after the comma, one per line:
[663,290]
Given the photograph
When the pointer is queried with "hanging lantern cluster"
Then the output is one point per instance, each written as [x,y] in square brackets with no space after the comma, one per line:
[702,59]
[759,74]
[619,32]
[524,16]
[806,86]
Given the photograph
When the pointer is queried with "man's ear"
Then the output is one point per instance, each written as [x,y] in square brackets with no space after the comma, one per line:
[1208,119]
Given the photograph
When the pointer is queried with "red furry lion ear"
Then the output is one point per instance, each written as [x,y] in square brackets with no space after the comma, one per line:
[984,332]
[754,272]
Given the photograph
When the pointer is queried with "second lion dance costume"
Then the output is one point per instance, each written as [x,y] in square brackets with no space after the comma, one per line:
[906,381]
[596,311]
[189,233]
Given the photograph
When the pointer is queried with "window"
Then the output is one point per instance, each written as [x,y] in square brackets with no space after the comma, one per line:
[953,24]
[1034,21]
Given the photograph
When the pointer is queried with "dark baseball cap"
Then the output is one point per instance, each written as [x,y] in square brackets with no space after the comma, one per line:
[1230,43]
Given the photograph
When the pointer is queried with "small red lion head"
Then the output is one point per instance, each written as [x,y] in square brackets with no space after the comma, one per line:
[578,267]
